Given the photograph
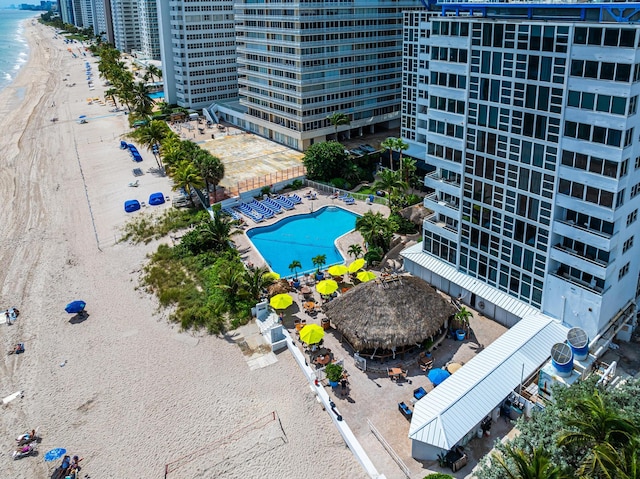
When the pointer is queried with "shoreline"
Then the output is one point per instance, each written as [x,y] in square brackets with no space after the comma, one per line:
[134,393]
[22,25]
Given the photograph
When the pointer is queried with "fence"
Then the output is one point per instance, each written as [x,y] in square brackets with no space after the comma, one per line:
[266,180]
[357,196]
[389,449]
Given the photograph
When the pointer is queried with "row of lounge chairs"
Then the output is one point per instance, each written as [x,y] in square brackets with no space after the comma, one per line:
[347,198]
[258,211]
[133,151]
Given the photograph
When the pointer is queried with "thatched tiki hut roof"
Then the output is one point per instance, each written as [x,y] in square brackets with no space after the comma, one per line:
[391,314]
[279,287]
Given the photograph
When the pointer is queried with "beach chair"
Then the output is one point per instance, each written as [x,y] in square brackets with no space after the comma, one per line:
[349,201]
[134,184]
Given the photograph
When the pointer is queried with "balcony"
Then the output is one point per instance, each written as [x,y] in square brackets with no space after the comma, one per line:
[436,181]
[439,205]
[594,267]
[577,282]
[435,224]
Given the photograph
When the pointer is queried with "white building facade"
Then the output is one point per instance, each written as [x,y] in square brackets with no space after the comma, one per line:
[300,62]
[198,50]
[149,30]
[529,115]
[126,25]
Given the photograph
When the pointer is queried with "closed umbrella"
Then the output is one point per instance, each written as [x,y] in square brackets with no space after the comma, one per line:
[356,265]
[328,286]
[437,376]
[338,270]
[281,301]
[311,334]
[365,276]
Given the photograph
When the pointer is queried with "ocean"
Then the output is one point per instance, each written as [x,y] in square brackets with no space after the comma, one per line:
[14,50]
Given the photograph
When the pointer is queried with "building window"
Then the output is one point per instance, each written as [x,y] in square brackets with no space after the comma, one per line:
[627,244]
[623,271]
[631,217]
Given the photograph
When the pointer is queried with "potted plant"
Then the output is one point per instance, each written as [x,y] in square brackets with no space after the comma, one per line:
[462,317]
[334,374]
[319,261]
[294,267]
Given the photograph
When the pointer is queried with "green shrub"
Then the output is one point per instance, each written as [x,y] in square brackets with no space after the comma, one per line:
[438,475]
[340,183]
[405,227]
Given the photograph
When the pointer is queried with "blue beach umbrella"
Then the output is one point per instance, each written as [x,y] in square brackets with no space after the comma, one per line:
[437,376]
[54,454]
[75,307]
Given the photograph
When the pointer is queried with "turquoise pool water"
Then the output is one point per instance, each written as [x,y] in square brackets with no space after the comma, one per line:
[155,95]
[303,237]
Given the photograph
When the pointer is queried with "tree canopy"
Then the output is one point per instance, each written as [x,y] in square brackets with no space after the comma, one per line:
[325,160]
[587,433]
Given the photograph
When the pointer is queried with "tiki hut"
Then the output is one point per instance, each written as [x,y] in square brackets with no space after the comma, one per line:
[416,213]
[389,314]
[279,287]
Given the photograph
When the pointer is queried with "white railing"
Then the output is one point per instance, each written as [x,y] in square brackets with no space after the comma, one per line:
[403,467]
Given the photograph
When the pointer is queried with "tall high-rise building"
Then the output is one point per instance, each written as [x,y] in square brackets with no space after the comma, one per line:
[126,25]
[198,50]
[149,31]
[66,11]
[101,11]
[77,6]
[300,62]
[86,7]
[529,114]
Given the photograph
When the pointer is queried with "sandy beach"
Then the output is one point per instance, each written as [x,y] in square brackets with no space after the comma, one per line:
[124,389]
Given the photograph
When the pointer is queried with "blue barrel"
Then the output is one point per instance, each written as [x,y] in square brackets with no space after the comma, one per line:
[562,359]
[579,342]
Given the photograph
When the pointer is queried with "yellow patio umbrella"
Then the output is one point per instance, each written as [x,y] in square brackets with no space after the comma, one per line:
[365,276]
[338,270]
[311,334]
[356,265]
[271,275]
[328,286]
[453,367]
[281,301]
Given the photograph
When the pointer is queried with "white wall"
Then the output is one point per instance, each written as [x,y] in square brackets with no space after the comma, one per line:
[425,452]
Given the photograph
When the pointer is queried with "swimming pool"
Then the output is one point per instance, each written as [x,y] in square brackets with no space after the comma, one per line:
[303,237]
[156,95]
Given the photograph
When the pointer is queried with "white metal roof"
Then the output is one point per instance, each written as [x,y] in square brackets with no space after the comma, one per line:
[478,287]
[455,407]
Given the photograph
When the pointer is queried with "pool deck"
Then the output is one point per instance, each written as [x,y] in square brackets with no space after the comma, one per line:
[250,254]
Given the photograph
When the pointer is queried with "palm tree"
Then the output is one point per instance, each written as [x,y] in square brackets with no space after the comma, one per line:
[112,93]
[211,169]
[233,282]
[598,428]
[319,261]
[390,181]
[376,230]
[256,281]
[152,134]
[395,144]
[142,102]
[388,145]
[410,166]
[355,250]
[154,71]
[463,316]
[294,267]
[338,119]
[518,464]
[219,230]
[187,176]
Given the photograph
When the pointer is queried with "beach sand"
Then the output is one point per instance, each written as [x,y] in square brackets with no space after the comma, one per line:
[124,389]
